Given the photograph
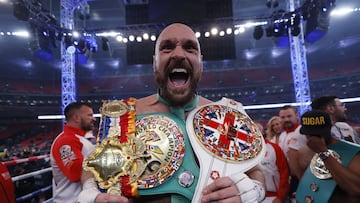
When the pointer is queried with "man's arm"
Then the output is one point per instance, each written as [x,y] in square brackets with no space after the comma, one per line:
[91,194]
[293,159]
[305,154]
[347,178]
[256,174]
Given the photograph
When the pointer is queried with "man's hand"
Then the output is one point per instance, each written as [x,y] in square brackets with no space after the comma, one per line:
[222,190]
[109,198]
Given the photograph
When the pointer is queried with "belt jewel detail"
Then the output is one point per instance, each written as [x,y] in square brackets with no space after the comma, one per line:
[186,178]
[308,199]
[314,187]
[318,168]
[114,109]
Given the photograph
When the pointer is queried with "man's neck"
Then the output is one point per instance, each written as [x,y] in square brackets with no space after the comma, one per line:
[180,110]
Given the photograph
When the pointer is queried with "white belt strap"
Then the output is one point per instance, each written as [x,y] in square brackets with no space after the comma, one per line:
[215,163]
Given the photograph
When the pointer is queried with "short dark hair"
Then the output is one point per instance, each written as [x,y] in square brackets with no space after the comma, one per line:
[72,107]
[286,107]
[322,102]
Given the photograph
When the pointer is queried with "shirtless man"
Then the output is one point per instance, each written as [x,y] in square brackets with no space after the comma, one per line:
[177,65]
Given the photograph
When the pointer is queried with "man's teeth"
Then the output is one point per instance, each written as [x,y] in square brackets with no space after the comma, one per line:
[179,70]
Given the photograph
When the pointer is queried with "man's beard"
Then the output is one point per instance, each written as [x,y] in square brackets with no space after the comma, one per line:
[168,95]
[342,118]
[86,127]
[288,125]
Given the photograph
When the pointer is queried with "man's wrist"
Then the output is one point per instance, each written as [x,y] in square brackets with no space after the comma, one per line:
[324,155]
[249,190]
[89,192]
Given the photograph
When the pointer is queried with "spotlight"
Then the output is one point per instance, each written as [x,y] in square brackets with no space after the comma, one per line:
[268,3]
[295,30]
[71,49]
[327,5]
[105,44]
[275,3]
[68,41]
[41,46]
[316,26]
[82,46]
[59,36]
[268,31]
[295,19]
[20,11]
[92,44]
[84,11]
[51,19]
[272,3]
[258,32]
[52,37]
[278,29]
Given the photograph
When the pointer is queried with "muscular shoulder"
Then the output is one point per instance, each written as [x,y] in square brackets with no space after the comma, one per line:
[203,101]
[305,154]
[146,101]
[150,104]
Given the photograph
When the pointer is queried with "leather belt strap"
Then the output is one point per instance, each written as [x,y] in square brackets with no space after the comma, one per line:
[225,139]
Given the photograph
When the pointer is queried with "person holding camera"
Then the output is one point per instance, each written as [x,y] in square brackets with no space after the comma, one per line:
[333,174]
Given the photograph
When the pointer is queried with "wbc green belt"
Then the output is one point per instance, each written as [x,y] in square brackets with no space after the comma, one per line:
[142,154]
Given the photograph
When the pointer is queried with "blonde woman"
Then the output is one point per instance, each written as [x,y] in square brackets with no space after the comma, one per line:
[274,129]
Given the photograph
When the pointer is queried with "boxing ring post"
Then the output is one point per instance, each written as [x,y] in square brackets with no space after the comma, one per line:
[31,174]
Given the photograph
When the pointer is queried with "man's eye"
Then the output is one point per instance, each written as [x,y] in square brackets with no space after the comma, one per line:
[167,47]
[190,47]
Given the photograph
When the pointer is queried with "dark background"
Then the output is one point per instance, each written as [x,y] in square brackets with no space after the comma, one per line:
[236,66]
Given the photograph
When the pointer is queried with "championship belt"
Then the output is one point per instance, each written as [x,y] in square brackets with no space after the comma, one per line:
[225,140]
[131,155]
[165,146]
[318,168]
[117,160]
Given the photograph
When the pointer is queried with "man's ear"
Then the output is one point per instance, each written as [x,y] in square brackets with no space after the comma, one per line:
[330,108]
[76,117]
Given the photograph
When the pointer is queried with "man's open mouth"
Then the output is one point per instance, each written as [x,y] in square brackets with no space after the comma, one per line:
[179,76]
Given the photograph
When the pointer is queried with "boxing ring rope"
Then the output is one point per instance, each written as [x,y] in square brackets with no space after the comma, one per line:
[28,175]
[18,161]
[25,197]
[31,174]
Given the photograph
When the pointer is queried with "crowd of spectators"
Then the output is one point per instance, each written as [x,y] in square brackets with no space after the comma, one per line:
[26,143]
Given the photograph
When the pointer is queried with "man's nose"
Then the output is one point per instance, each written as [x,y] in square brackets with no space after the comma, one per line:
[178,52]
